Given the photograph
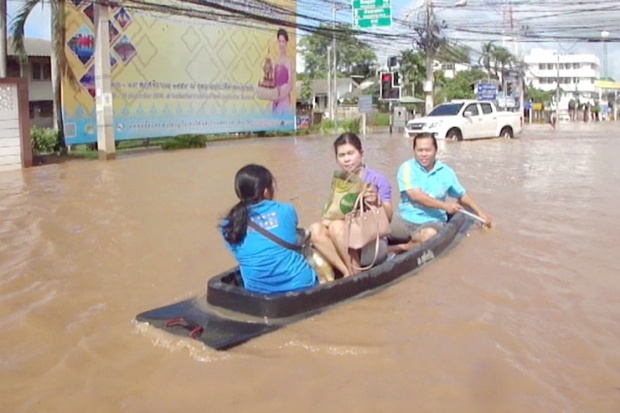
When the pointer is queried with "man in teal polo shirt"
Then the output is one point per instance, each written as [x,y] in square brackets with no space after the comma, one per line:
[424,184]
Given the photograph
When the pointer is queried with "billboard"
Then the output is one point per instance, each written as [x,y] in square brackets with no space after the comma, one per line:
[173,74]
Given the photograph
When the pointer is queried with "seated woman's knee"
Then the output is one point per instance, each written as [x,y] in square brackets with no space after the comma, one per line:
[336,229]
[317,230]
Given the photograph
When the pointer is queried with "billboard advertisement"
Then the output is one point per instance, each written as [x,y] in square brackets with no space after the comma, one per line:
[174,75]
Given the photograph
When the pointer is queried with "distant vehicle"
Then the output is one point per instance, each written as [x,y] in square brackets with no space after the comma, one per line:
[466,119]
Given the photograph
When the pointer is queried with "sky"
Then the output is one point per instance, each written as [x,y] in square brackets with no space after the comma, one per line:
[563,18]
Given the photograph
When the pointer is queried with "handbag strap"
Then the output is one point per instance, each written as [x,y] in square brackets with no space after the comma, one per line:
[272,237]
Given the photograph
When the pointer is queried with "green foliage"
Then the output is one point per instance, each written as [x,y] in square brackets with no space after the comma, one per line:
[495,59]
[453,52]
[355,57]
[327,126]
[44,140]
[461,86]
[306,90]
[185,142]
[413,70]
[382,119]
[537,95]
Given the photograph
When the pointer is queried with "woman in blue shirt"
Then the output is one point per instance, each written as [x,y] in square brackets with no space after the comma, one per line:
[265,265]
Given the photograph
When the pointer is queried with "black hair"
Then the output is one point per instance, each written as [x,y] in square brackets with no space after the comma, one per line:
[425,136]
[250,184]
[283,33]
[348,138]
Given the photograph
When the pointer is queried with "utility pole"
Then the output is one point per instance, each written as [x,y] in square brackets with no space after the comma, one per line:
[335,63]
[330,106]
[557,91]
[3,38]
[430,56]
[103,83]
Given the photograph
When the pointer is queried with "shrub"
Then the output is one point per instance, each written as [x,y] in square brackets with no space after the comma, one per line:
[185,142]
[327,126]
[44,140]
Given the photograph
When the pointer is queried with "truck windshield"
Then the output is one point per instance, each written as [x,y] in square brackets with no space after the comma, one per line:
[447,109]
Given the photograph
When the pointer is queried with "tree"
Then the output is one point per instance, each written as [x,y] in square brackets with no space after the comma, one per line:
[453,52]
[487,58]
[60,65]
[538,95]
[413,70]
[3,39]
[306,90]
[461,86]
[354,56]
[502,59]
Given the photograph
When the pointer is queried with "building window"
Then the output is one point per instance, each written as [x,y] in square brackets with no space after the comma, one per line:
[12,68]
[576,66]
[541,67]
[41,109]
[41,71]
[550,66]
[46,109]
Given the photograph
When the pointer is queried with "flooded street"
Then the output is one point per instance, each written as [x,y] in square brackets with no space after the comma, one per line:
[521,318]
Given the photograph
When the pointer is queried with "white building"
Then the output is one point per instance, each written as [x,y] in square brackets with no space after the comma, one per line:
[576,74]
[450,69]
[38,71]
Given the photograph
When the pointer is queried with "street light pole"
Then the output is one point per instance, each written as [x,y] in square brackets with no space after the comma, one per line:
[604,39]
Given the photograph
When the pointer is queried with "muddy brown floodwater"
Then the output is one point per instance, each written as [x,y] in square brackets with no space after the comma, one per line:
[521,318]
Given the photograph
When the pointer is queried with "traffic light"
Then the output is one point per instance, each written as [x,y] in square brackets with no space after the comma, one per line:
[396,79]
[386,85]
[388,90]
[509,88]
[392,61]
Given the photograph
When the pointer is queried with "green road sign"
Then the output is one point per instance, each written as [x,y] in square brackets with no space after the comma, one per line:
[371,13]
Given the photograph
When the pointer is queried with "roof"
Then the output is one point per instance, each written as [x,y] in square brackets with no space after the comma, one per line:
[319,86]
[34,47]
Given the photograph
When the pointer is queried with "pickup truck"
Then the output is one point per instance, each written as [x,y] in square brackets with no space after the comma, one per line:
[466,119]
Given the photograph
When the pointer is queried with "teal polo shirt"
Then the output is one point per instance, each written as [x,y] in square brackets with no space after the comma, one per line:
[439,183]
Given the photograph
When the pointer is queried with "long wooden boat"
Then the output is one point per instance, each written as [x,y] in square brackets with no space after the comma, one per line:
[229,315]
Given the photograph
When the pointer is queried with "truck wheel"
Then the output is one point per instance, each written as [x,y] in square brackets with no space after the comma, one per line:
[454,135]
[506,132]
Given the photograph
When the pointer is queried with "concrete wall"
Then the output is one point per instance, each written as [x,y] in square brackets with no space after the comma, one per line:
[15,148]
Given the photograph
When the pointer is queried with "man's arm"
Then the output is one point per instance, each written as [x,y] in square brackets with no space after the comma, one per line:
[420,197]
[468,201]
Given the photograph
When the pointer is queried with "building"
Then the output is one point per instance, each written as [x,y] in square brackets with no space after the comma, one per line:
[347,87]
[576,74]
[38,71]
[450,69]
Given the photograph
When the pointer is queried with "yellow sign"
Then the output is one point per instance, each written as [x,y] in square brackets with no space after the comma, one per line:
[606,84]
[174,75]
[537,106]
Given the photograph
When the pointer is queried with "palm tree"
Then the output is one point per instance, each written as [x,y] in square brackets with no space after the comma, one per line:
[502,59]
[3,39]
[60,66]
[413,70]
[487,57]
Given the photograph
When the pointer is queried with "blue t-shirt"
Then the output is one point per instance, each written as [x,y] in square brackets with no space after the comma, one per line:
[439,183]
[267,267]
